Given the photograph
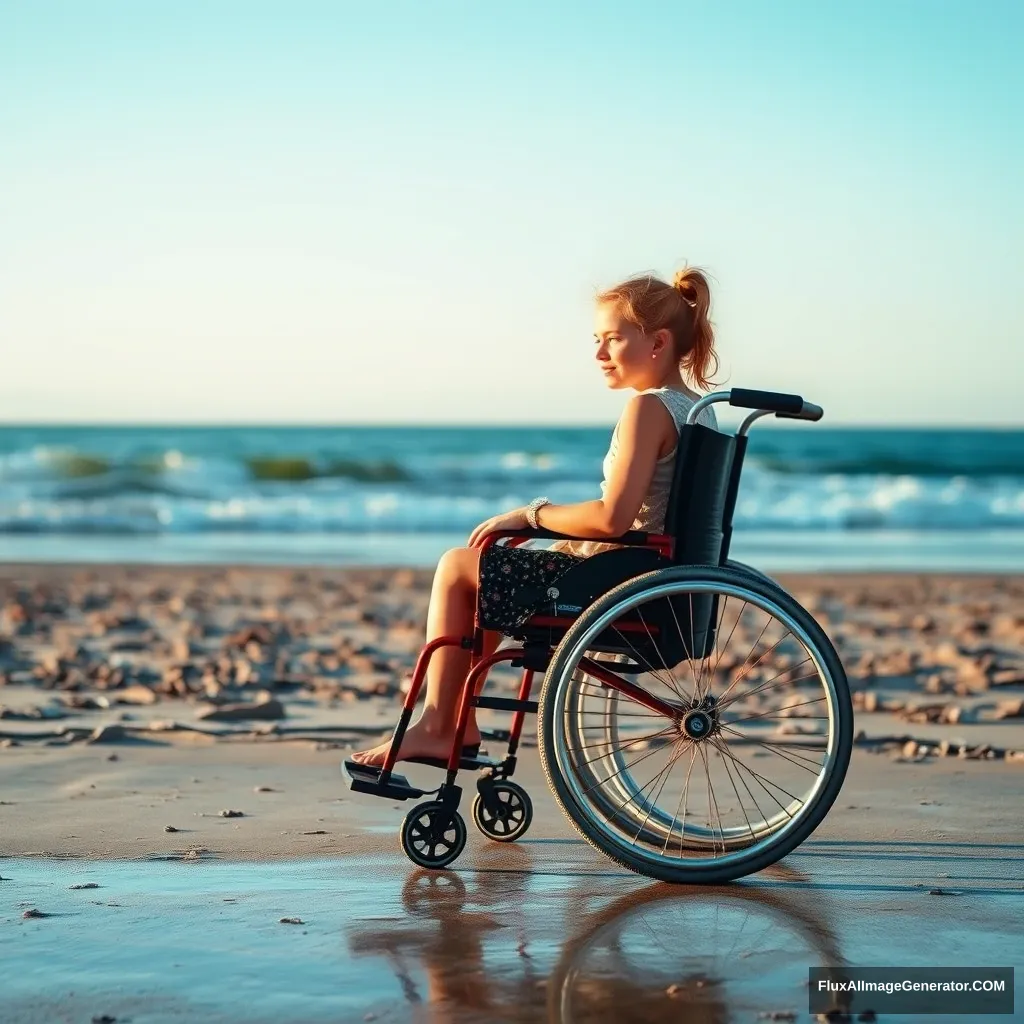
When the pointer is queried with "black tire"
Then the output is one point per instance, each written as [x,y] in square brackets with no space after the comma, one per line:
[746,863]
[749,570]
[518,813]
[433,835]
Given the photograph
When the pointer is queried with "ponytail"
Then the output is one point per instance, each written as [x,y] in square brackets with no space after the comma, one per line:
[698,359]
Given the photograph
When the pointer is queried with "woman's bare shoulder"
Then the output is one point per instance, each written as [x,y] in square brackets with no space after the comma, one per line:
[645,417]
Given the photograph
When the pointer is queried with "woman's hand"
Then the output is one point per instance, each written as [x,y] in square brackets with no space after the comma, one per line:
[514,520]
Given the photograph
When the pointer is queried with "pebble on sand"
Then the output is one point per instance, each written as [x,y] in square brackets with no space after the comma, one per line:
[267,710]
[136,694]
[171,828]
[110,733]
[232,814]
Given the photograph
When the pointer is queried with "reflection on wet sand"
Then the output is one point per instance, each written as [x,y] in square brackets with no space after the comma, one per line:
[654,953]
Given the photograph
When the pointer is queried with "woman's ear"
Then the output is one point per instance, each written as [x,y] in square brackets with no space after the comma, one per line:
[661,340]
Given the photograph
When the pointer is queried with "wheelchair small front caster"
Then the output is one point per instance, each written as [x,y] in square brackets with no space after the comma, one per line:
[507,815]
[433,834]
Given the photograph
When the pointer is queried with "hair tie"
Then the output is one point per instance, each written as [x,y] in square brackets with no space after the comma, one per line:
[679,282]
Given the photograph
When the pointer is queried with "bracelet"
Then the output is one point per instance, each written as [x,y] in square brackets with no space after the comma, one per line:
[533,508]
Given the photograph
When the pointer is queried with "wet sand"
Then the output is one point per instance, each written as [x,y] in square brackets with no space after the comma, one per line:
[206,831]
[546,930]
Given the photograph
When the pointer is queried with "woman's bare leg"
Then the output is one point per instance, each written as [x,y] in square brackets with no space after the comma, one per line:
[451,613]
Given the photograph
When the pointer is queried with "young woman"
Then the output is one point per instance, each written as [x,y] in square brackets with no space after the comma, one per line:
[653,338]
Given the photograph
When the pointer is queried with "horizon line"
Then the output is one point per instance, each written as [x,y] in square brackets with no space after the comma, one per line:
[456,425]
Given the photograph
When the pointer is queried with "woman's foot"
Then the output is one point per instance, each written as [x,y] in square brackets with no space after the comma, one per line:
[419,741]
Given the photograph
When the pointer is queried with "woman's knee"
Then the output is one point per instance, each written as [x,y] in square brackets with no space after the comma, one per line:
[460,564]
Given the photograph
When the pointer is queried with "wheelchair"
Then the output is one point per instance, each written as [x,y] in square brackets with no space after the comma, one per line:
[694,721]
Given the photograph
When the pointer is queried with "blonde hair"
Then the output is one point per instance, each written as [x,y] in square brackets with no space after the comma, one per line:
[683,307]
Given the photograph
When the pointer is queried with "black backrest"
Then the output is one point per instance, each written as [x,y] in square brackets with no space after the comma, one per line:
[704,483]
[699,516]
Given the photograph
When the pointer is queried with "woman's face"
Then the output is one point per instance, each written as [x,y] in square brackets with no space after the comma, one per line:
[627,357]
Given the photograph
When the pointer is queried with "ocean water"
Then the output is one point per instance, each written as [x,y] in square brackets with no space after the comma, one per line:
[811,496]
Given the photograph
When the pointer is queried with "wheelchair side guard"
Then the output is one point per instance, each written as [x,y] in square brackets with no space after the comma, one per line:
[586,581]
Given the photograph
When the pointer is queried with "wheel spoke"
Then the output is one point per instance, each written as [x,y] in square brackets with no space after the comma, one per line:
[666,771]
[639,739]
[792,759]
[750,668]
[675,689]
[698,675]
[739,799]
[718,634]
[631,796]
[681,802]
[643,661]
[625,767]
[777,713]
[753,798]
[682,640]
[761,687]
[760,778]
[712,799]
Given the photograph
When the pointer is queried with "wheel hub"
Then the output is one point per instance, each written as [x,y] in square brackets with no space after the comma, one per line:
[697,724]
[700,721]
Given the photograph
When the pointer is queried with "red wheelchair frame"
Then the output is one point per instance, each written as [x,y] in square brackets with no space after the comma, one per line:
[480,666]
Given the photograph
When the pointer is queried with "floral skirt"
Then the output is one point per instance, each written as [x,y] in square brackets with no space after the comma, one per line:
[514,583]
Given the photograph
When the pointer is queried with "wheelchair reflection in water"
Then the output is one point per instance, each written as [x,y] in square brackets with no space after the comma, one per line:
[653,954]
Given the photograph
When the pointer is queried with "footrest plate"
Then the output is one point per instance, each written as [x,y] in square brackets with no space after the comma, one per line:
[366,779]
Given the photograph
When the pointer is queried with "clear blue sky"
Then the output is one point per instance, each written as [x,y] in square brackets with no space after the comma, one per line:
[336,211]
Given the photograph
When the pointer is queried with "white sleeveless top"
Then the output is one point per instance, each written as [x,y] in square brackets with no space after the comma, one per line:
[651,516]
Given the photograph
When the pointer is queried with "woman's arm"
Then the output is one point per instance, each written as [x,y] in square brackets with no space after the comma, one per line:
[646,433]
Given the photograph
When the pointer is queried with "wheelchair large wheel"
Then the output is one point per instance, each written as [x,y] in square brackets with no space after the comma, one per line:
[746,749]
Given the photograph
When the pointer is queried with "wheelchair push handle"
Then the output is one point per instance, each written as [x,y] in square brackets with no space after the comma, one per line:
[809,411]
[763,403]
[785,407]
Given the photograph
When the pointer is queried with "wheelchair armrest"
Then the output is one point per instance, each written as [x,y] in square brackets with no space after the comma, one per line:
[632,538]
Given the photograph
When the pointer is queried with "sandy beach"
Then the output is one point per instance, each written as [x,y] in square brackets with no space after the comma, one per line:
[150,716]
